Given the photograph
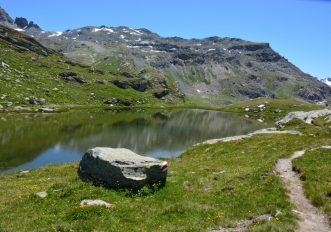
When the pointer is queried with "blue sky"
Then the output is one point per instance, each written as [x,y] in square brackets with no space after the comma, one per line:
[300,30]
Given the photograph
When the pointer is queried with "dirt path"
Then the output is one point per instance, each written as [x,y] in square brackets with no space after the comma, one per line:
[311,220]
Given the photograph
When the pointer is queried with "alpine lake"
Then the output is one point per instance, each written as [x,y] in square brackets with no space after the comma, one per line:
[36,139]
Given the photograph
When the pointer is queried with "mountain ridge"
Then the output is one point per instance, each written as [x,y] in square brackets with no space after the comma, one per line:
[212,70]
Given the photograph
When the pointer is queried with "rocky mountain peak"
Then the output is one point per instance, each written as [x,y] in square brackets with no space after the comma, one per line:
[19,23]
[4,17]
[23,23]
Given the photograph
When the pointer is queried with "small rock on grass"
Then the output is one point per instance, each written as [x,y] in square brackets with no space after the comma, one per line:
[25,171]
[96,203]
[41,194]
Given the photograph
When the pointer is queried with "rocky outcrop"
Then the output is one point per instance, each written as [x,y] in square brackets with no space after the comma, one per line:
[121,84]
[120,102]
[258,132]
[34,101]
[162,93]
[33,25]
[21,22]
[139,85]
[127,74]
[121,168]
[307,117]
[4,17]
[72,77]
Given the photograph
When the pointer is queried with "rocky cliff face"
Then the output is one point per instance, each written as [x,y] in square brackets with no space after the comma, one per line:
[5,18]
[20,23]
[213,70]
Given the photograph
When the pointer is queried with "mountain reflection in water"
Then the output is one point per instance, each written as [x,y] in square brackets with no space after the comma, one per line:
[36,140]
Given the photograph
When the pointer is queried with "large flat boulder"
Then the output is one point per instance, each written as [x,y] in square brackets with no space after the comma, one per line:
[121,168]
[307,117]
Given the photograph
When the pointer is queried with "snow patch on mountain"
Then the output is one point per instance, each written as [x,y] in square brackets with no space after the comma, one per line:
[327,81]
[55,34]
[103,29]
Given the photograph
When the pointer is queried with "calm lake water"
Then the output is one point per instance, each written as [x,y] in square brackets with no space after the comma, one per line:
[34,140]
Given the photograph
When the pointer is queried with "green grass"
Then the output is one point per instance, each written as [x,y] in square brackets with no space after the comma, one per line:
[275,108]
[315,171]
[208,186]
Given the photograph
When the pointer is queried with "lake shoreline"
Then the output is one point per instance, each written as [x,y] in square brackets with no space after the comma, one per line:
[209,186]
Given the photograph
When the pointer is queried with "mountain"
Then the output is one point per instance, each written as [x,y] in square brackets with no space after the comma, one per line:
[19,24]
[213,70]
[31,74]
[327,81]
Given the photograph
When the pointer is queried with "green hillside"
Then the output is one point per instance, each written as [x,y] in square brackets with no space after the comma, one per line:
[31,74]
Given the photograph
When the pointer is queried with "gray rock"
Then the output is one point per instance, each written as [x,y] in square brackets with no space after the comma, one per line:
[96,203]
[25,172]
[307,117]
[4,65]
[139,85]
[127,74]
[47,109]
[22,108]
[80,80]
[121,84]
[68,74]
[41,194]
[326,147]
[40,101]
[111,101]
[162,93]
[121,168]
[1,107]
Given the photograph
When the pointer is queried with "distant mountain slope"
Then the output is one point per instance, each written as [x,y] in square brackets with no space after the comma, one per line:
[32,74]
[213,70]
